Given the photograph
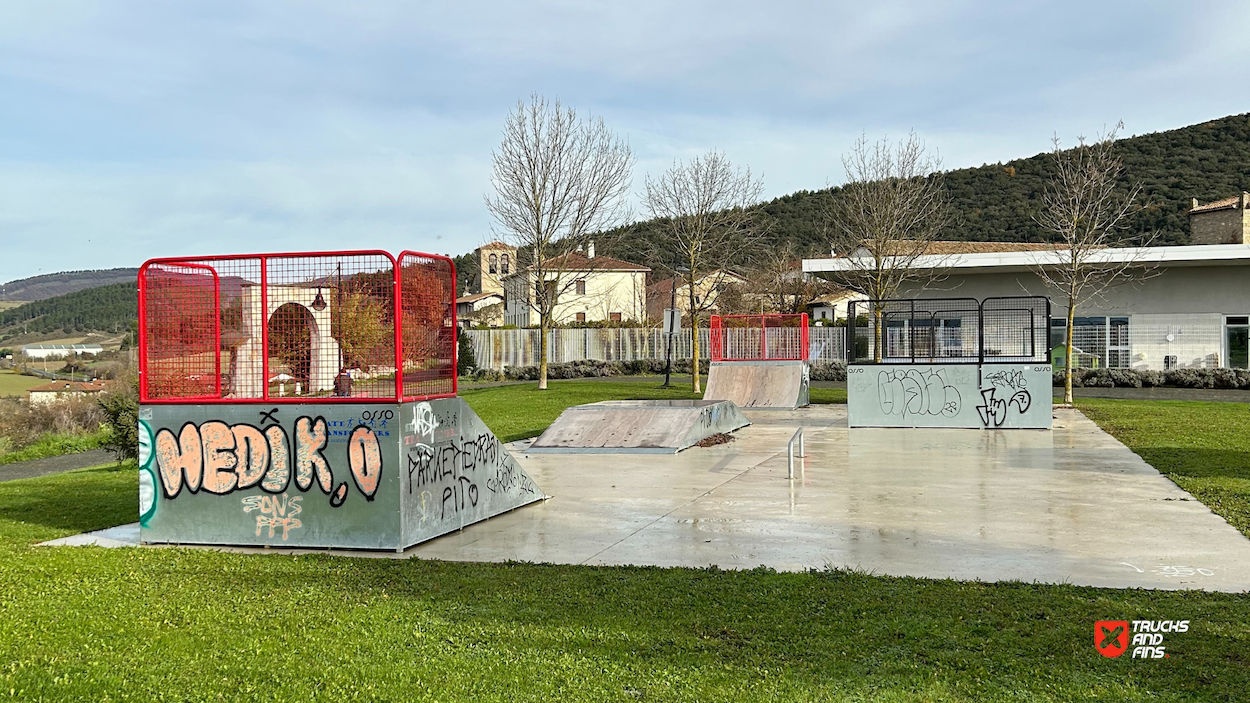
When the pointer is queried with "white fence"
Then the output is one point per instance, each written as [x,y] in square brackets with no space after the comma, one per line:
[496,348]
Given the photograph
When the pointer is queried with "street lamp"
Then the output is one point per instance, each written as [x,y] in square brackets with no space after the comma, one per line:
[672,330]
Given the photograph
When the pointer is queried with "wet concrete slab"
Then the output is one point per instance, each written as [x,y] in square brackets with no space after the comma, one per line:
[1071,505]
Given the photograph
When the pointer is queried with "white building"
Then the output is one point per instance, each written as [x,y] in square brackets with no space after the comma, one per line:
[1193,311]
[57,390]
[594,288]
[59,351]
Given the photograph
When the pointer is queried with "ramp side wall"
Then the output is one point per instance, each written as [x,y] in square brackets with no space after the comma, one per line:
[988,396]
[456,471]
[309,475]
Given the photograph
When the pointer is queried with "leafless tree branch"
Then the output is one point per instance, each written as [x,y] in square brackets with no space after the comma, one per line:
[707,209]
[558,180]
[1086,212]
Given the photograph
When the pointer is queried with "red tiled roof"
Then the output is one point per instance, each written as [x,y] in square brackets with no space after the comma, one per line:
[1225,204]
[478,296]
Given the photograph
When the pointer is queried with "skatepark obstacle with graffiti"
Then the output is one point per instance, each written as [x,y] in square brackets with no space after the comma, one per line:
[309,400]
[952,362]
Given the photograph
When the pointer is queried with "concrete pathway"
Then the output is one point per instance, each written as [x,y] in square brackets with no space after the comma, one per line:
[1068,506]
[55,464]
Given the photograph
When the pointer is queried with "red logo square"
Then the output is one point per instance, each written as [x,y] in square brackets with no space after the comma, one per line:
[1111,637]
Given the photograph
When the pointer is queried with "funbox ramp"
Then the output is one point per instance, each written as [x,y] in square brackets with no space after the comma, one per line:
[779,385]
[638,426]
[321,475]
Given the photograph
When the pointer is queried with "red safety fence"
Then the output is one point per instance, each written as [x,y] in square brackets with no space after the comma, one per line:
[319,327]
[759,337]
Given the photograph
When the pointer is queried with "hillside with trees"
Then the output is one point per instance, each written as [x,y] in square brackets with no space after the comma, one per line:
[109,308]
[50,285]
[998,202]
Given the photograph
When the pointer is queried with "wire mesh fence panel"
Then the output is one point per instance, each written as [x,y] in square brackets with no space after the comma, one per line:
[909,331]
[949,330]
[181,331]
[427,304]
[1016,329]
[759,337]
[293,327]
[330,326]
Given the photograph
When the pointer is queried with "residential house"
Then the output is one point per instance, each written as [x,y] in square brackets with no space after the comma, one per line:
[707,290]
[596,288]
[52,392]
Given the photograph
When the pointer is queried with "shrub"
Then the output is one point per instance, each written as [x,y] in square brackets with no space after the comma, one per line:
[828,371]
[120,405]
[466,360]
[23,424]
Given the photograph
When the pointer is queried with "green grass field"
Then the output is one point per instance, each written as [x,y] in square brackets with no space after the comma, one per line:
[12,384]
[94,624]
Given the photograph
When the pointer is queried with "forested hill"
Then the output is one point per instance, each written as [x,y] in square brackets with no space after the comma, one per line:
[996,202]
[108,308]
[53,284]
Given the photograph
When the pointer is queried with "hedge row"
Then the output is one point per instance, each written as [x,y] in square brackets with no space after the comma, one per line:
[1174,378]
[821,371]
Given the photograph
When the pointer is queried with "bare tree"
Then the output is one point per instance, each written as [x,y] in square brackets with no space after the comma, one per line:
[1086,212]
[706,208]
[893,207]
[781,285]
[558,180]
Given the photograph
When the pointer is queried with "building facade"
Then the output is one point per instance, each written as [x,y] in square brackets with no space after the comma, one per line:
[1189,307]
[1224,221]
[593,289]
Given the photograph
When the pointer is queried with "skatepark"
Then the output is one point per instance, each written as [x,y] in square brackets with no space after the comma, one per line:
[1069,506]
[921,485]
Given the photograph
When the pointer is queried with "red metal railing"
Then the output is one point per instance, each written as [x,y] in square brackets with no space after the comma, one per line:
[759,337]
[356,326]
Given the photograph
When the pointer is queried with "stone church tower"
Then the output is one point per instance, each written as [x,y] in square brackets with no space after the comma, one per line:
[494,261]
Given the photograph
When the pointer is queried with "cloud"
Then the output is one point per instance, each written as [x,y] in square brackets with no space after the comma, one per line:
[139,129]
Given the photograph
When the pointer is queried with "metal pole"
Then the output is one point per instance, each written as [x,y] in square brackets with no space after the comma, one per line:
[668,355]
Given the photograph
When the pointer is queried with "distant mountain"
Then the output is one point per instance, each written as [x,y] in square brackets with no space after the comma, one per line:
[108,309]
[50,285]
[997,202]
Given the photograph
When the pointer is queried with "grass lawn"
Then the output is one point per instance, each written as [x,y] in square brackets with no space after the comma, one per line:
[1203,447]
[520,411]
[16,384]
[97,624]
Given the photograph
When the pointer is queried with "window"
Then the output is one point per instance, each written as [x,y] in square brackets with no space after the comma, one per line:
[1096,341]
[1237,341]
[505,265]
[581,317]
[494,263]
[614,316]
[581,287]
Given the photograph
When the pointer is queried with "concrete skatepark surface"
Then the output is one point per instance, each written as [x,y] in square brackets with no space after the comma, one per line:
[1068,506]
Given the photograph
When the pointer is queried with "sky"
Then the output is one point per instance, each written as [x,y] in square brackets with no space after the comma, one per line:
[133,130]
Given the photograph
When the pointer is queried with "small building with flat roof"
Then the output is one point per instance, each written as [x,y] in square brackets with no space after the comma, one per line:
[49,351]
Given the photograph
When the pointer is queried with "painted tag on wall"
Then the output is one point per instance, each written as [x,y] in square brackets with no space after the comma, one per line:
[990,396]
[320,475]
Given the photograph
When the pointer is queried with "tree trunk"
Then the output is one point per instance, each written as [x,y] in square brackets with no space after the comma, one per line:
[694,337]
[543,326]
[878,334]
[1067,357]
